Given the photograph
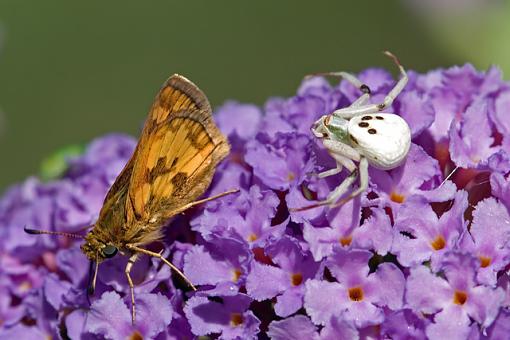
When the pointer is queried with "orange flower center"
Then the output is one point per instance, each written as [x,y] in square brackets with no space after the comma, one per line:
[236,275]
[438,243]
[485,261]
[236,319]
[397,198]
[345,241]
[136,336]
[356,294]
[296,279]
[252,237]
[460,297]
[291,176]
[25,286]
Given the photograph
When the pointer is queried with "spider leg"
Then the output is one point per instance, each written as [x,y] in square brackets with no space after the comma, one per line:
[354,81]
[341,162]
[344,156]
[363,183]
[347,76]
[341,189]
[344,187]
[330,172]
[361,100]
[319,128]
[333,196]
[351,79]
[352,111]
[337,148]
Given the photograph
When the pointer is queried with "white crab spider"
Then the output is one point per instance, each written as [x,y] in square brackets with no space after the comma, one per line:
[362,133]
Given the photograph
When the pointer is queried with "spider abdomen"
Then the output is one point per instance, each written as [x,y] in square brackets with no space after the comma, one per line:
[383,138]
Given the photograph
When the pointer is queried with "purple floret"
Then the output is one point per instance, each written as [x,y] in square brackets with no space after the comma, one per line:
[292,327]
[286,280]
[357,296]
[422,236]
[229,317]
[423,253]
[289,154]
[110,317]
[454,298]
[488,239]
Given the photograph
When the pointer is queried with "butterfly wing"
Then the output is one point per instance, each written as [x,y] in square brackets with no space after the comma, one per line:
[177,153]
[172,164]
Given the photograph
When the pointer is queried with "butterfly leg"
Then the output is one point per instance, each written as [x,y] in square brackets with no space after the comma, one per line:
[158,255]
[94,266]
[129,265]
[191,204]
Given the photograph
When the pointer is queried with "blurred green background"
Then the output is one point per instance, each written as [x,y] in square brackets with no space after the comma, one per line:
[72,71]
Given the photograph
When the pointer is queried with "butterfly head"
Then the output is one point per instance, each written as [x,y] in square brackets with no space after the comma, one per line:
[98,250]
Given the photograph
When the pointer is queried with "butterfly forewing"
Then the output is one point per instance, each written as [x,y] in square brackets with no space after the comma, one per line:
[173,162]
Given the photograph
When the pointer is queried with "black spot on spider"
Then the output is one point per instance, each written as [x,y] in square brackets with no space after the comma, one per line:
[366,117]
[365,89]
[379,117]
[363,124]
[372,131]
[381,107]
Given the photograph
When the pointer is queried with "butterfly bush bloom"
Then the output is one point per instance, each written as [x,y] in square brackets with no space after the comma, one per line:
[423,253]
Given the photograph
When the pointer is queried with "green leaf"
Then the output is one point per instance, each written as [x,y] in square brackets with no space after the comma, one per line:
[56,165]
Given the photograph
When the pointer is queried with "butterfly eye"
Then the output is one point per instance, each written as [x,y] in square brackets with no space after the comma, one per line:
[109,251]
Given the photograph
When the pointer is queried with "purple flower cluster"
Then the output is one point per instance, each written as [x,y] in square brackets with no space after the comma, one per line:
[420,255]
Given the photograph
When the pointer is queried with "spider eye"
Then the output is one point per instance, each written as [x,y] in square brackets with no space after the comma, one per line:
[109,251]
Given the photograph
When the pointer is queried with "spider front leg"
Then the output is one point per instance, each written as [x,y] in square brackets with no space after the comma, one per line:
[352,111]
[319,128]
[354,81]
[347,76]
[337,148]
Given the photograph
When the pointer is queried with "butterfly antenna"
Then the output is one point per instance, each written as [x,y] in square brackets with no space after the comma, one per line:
[47,232]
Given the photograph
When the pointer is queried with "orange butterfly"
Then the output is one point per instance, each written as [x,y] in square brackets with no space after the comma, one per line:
[171,167]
